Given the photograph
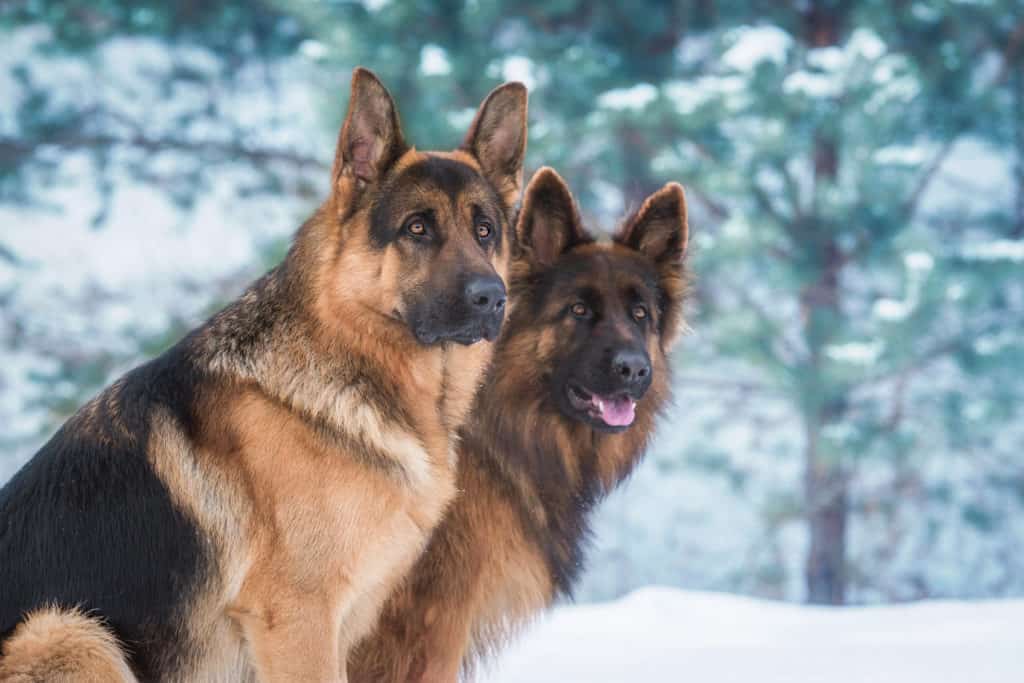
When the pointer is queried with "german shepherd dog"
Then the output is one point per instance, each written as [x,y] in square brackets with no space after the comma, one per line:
[241,506]
[578,377]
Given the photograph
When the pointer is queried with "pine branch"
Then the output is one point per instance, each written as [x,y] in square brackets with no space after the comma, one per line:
[14,151]
[743,386]
[921,361]
[1009,55]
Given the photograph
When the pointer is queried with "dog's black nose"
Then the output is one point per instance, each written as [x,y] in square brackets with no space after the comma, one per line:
[485,294]
[631,366]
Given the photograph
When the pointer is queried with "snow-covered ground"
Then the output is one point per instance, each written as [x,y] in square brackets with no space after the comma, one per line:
[662,635]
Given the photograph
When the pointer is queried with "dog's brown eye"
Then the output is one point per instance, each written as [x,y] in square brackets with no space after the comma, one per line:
[579,310]
[483,230]
[417,228]
[639,312]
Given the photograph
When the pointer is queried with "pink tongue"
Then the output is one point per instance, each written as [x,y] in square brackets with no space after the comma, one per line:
[616,412]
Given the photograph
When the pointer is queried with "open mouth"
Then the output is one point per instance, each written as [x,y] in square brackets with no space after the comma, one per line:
[614,411]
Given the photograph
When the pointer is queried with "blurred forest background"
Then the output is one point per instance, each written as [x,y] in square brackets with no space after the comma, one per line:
[848,424]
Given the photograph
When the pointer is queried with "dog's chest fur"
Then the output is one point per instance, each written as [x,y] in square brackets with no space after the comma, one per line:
[333,465]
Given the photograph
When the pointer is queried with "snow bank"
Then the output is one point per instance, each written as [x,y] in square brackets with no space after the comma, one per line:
[661,635]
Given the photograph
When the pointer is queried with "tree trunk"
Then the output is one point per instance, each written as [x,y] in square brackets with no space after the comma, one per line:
[1017,231]
[825,482]
[825,496]
[636,167]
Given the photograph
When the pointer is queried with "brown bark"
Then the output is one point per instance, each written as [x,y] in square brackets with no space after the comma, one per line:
[825,491]
[635,154]
[826,496]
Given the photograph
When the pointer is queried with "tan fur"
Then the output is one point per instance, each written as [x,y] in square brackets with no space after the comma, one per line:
[328,526]
[472,604]
[62,646]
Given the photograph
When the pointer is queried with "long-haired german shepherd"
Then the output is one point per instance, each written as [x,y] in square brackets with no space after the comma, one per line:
[569,403]
[241,506]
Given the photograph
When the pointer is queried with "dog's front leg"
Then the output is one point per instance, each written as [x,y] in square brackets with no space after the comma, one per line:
[294,637]
[442,644]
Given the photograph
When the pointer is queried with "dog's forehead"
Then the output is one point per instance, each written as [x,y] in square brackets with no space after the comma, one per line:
[436,175]
[606,268]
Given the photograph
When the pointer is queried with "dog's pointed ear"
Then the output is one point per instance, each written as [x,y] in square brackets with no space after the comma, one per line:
[659,229]
[497,138]
[548,224]
[660,232]
[371,137]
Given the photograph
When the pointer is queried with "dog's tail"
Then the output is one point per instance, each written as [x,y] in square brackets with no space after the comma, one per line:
[63,646]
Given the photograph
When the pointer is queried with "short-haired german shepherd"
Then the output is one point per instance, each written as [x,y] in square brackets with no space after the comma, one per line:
[578,377]
[241,506]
